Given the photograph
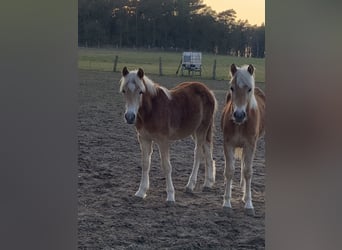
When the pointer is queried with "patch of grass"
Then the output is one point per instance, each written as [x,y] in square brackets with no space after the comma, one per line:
[103,60]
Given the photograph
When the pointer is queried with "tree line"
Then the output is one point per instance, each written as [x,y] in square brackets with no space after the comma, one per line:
[167,24]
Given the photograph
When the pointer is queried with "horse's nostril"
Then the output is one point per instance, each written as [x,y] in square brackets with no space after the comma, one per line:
[129,117]
[239,115]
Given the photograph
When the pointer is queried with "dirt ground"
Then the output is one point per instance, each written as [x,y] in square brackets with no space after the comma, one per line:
[109,217]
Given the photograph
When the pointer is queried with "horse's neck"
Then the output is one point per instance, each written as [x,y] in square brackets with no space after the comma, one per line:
[147,99]
[147,111]
[146,104]
[153,103]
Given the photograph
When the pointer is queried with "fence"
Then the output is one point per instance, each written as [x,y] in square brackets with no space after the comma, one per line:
[166,63]
[113,66]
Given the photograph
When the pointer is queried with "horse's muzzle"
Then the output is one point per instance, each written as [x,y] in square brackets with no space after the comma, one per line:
[239,116]
[130,118]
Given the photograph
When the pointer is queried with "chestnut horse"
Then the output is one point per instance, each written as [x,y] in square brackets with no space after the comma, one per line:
[242,122]
[161,115]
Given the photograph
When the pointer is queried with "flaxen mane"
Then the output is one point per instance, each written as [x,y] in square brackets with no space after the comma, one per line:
[145,85]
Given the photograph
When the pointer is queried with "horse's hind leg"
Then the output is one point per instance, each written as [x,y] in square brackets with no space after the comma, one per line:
[146,149]
[198,152]
[210,168]
[247,172]
[166,165]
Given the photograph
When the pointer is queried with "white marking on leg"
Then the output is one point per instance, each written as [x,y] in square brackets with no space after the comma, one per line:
[197,159]
[228,175]
[167,168]
[146,149]
[242,179]
[247,173]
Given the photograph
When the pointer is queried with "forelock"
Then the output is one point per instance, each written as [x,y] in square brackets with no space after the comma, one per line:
[243,77]
[132,81]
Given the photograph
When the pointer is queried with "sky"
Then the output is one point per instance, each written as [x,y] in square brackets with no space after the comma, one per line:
[251,10]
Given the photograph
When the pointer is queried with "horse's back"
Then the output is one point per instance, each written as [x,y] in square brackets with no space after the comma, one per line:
[197,88]
[191,108]
[188,91]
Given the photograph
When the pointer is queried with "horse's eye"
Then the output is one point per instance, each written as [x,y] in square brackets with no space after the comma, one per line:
[140,93]
[123,91]
[232,89]
[249,90]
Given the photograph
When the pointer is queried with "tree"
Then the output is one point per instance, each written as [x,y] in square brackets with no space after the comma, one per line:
[183,24]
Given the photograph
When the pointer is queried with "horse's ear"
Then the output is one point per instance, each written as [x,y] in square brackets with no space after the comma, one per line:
[250,69]
[233,69]
[140,73]
[125,71]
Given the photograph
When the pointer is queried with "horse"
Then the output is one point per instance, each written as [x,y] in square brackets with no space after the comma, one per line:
[242,123]
[161,115]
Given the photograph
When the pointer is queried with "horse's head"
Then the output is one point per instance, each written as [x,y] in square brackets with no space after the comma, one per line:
[132,86]
[242,91]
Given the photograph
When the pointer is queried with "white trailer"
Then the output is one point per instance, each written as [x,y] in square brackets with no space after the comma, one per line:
[192,62]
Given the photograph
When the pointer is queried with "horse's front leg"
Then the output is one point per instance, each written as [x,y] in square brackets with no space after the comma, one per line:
[247,172]
[228,175]
[146,149]
[164,149]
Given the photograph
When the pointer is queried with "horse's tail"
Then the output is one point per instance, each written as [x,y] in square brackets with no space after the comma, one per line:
[211,128]
[210,135]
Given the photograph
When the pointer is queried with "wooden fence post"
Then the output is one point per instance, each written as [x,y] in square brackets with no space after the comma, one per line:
[115,63]
[160,67]
[214,70]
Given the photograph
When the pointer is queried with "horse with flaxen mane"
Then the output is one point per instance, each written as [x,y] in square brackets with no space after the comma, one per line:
[242,122]
[161,115]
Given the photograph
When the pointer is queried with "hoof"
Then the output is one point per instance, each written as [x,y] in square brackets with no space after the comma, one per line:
[188,190]
[228,210]
[137,198]
[170,203]
[250,212]
[140,195]
[206,189]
